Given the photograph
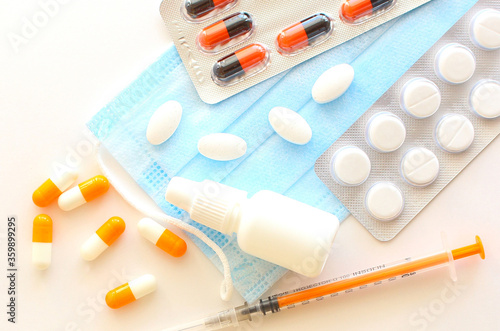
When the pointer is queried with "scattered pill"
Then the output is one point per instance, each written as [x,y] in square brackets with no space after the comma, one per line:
[420,98]
[164,122]
[455,64]
[42,242]
[83,193]
[131,291]
[485,29]
[290,126]
[454,133]
[244,62]
[332,83]
[384,201]
[484,99]
[419,167]
[385,132]
[53,188]
[199,8]
[350,166]
[307,32]
[353,10]
[162,237]
[222,146]
[221,32]
[102,238]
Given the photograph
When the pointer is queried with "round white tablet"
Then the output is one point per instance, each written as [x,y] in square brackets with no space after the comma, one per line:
[419,167]
[484,99]
[454,133]
[350,166]
[385,132]
[455,64]
[485,29]
[420,98]
[384,201]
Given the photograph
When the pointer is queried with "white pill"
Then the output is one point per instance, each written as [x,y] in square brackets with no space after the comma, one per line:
[333,83]
[222,146]
[455,64]
[485,29]
[164,122]
[385,132]
[419,167]
[350,166]
[384,201]
[290,125]
[484,99]
[454,133]
[420,98]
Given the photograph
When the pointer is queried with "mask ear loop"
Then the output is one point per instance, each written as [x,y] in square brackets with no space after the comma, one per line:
[226,288]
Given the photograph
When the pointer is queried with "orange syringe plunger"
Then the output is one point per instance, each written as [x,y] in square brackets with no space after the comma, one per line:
[389,272]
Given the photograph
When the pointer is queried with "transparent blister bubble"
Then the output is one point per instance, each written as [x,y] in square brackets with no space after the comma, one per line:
[271,18]
[413,173]
[360,11]
[230,31]
[197,11]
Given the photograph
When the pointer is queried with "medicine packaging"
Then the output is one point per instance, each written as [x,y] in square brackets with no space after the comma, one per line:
[422,132]
[228,46]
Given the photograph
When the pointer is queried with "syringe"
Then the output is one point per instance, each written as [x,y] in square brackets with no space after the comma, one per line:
[357,280]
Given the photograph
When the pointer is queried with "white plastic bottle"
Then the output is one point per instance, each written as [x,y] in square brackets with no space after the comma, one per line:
[269,225]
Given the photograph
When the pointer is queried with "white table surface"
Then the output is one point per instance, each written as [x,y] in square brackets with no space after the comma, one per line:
[68,69]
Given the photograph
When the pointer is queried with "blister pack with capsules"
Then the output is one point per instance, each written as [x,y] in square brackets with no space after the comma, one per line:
[424,130]
[228,46]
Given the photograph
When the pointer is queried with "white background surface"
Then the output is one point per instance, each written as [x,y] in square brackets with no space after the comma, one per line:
[68,69]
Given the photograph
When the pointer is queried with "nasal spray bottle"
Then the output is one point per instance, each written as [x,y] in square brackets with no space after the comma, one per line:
[268,225]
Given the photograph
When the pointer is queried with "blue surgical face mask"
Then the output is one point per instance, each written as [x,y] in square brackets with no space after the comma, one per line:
[379,58]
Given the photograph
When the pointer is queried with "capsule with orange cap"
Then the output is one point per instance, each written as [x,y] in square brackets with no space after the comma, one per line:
[358,11]
[227,32]
[163,238]
[102,238]
[306,33]
[42,242]
[131,291]
[83,193]
[202,9]
[53,187]
[241,64]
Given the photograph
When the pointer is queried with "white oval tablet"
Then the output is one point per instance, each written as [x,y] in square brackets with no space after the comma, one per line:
[420,98]
[485,29]
[222,146]
[350,166]
[484,99]
[419,167]
[290,125]
[333,83]
[164,122]
[454,133]
[455,64]
[385,132]
[384,201]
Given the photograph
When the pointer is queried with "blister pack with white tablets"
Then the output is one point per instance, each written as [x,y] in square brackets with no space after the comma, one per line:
[424,130]
[228,46]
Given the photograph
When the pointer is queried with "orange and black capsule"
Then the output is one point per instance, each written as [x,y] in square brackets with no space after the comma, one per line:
[198,8]
[304,33]
[244,61]
[225,30]
[353,10]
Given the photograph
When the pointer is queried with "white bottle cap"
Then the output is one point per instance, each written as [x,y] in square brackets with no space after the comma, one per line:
[207,202]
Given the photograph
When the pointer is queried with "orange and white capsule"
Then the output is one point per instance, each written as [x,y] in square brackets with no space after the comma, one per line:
[162,237]
[131,291]
[102,238]
[83,193]
[42,242]
[53,187]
